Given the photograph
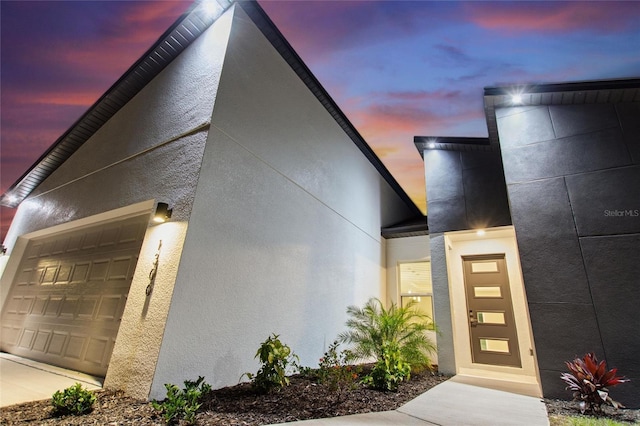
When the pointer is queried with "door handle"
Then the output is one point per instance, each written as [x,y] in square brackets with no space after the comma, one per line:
[472,319]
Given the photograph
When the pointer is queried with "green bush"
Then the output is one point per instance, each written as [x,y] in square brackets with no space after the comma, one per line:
[182,403]
[275,357]
[389,370]
[395,337]
[73,400]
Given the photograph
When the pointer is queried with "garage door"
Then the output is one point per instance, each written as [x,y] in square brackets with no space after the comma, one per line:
[66,302]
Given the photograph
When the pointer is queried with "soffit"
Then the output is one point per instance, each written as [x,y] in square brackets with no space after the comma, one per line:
[574,93]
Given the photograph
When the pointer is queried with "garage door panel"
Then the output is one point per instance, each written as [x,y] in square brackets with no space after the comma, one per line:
[66,304]
[87,307]
[109,307]
[69,307]
[49,276]
[80,272]
[56,346]
[11,334]
[60,245]
[75,347]
[46,249]
[39,305]
[121,268]
[90,240]
[33,251]
[41,340]
[64,273]
[25,305]
[27,338]
[53,306]
[99,270]
[97,350]
[36,276]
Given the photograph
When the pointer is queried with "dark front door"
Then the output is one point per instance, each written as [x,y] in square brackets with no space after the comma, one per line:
[494,339]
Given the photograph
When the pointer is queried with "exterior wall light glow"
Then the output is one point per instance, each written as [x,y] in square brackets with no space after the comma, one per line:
[431,145]
[163,213]
[516,99]
[480,232]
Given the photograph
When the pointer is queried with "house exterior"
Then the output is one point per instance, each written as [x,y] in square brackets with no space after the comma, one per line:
[282,216]
[550,204]
[277,205]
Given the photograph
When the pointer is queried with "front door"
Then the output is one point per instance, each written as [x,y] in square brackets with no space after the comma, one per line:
[492,329]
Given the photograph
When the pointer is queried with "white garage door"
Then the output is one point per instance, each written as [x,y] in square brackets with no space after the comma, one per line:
[66,302]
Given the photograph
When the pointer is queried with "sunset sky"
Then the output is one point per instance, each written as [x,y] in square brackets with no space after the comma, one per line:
[397,69]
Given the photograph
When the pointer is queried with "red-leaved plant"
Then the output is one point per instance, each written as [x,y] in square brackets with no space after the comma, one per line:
[590,382]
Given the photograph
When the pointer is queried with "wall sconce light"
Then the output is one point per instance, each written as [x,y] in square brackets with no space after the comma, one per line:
[163,213]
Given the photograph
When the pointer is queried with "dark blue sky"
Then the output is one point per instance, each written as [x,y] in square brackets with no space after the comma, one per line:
[397,69]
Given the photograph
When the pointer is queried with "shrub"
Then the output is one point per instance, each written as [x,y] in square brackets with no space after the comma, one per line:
[590,382]
[182,403]
[73,400]
[335,372]
[395,337]
[275,357]
[388,371]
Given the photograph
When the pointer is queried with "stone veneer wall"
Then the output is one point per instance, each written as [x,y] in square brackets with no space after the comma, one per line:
[573,180]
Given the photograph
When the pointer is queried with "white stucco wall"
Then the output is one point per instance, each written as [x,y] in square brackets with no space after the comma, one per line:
[285,228]
[151,150]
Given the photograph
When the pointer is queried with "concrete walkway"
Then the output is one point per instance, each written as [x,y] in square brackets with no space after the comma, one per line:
[450,403]
[23,380]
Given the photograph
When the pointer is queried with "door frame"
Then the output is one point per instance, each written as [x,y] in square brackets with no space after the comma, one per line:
[492,241]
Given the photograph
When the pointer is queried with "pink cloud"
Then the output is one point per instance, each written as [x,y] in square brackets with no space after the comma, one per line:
[515,17]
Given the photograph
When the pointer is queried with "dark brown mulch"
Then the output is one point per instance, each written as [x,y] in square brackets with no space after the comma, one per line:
[236,405]
[570,408]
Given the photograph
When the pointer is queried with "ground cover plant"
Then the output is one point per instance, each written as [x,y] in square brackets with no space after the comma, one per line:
[182,404]
[74,400]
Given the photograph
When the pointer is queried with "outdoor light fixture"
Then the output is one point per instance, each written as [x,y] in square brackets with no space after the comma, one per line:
[480,232]
[431,145]
[163,213]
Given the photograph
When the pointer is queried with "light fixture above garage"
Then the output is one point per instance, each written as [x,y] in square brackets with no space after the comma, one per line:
[163,213]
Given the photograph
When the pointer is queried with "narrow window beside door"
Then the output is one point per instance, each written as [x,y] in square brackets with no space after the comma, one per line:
[415,284]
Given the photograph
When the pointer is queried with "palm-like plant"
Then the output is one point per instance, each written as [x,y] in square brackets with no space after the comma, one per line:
[373,327]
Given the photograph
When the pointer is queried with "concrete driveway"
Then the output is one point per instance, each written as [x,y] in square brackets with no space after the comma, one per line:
[23,380]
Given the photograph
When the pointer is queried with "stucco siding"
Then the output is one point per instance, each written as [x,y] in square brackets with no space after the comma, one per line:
[285,229]
[151,148]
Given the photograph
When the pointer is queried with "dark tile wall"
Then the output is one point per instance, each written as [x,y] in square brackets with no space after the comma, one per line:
[465,190]
[573,182]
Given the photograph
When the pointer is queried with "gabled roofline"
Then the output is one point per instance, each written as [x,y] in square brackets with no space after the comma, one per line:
[170,44]
[175,40]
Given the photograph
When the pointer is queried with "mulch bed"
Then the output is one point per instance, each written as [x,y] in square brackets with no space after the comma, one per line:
[240,405]
[236,405]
